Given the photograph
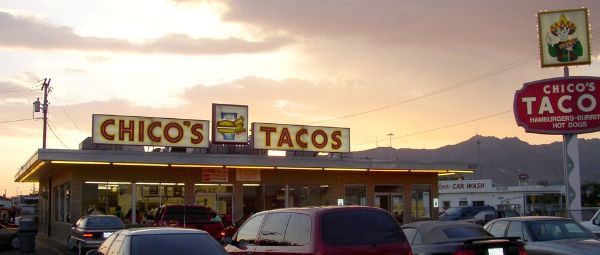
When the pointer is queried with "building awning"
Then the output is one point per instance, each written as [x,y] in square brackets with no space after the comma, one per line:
[40,164]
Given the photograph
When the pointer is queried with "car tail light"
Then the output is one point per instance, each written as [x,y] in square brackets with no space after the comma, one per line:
[172,223]
[462,251]
[522,250]
[88,235]
[223,235]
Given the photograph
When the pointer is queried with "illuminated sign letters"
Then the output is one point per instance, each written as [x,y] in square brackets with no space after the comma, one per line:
[300,138]
[559,106]
[129,130]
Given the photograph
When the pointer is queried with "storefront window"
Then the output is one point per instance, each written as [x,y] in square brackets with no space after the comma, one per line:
[62,196]
[274,196]
[258,198]
[308,195]
[478,203]
[544,204]
[219,197]
[112,198]
[150,196]
[253,198]
[355,195]
[421,201]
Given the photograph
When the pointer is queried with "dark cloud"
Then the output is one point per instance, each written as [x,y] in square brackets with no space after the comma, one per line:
[26,32]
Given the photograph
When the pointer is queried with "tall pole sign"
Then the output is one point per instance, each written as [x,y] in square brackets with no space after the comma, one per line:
[567,105]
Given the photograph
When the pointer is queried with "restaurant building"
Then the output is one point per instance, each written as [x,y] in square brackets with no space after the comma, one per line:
[133,165]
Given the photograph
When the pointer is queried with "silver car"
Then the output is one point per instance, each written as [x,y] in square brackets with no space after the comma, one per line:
[547,235]
[159,241]
[91,230]
[9,237]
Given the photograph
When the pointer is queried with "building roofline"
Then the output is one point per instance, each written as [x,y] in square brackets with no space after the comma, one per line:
[41,160]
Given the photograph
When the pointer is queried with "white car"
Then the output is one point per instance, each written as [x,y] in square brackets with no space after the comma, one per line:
[593,224]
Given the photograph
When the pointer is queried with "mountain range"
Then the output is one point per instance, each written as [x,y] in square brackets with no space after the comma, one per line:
[502,160]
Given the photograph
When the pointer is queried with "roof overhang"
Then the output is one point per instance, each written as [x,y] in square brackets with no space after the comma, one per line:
[41,162]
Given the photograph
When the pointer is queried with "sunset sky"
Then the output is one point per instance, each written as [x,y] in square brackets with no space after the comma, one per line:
[433,73]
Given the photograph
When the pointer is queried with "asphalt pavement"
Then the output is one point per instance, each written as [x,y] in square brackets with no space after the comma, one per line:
[43,246]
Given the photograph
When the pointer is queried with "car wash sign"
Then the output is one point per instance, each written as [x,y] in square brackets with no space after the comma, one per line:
[566,105]
[130,130]
[300,138]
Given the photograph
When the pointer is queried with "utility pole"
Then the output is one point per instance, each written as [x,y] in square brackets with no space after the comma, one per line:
[46,88]
[390,135]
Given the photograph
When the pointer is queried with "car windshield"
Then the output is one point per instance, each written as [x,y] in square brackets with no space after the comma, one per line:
[104,222]
[190,213]
[180,244]
[465,232]
[452,211]
[360,227]
[547,230]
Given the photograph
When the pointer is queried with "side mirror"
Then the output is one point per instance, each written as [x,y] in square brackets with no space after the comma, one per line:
[596,221]
[227,240]
[92,252]
[243,244]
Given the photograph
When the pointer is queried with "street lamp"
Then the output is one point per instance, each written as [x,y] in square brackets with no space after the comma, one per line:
[390,135]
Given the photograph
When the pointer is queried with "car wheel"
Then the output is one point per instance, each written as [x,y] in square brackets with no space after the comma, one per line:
[71,245]
[15,243]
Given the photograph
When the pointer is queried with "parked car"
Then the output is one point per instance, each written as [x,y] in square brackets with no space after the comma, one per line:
[89,231]
[547,235]
[486,216]
[189,216]
[5,223]
[463,212]
[345,230]
[9,237]
[594,223]
[456,237]
[230,230]
[160,241]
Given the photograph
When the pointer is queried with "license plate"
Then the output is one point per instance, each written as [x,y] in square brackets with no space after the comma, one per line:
[107,234]
[495,251]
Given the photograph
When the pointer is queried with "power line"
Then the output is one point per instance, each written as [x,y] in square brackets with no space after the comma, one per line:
[10,121]
[495,71]
[65,111]
[443,127]
[15,90]
[52,130]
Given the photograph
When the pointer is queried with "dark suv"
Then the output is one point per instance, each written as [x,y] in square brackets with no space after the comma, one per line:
[320,230]
[464,212]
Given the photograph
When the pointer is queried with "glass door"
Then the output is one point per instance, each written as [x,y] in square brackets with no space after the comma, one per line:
[391,199]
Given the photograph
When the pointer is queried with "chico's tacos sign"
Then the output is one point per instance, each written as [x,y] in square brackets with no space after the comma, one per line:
[129,130]
[566,105]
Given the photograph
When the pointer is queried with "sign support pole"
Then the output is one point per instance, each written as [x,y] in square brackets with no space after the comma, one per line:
[572,178]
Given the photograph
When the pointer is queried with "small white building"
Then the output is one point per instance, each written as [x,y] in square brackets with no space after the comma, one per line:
[5,203]
[535,199]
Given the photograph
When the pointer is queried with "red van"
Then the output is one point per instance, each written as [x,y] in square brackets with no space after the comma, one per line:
[320,230]
[189,216]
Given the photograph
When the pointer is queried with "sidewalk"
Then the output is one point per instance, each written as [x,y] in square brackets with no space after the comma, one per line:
[43,246]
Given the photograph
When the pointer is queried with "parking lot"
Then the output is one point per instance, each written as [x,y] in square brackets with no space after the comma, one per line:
[43,246]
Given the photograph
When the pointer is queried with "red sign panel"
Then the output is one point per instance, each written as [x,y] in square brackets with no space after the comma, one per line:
[566,105]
